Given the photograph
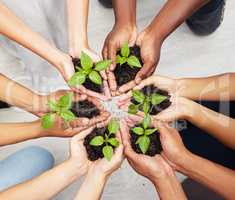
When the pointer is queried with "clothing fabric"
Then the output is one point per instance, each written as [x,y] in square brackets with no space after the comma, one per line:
[24,165]
[202,144]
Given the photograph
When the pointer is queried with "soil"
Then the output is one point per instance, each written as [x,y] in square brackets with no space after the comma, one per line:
[88,83]
[85,109]
[125,73]
[94,152]
[150,89]
[155,146]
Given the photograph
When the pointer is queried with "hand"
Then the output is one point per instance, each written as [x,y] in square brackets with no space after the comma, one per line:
[78,153]
[164,83]
[113,42]
[150,53]
[153,168]
[102,167]
[81,89]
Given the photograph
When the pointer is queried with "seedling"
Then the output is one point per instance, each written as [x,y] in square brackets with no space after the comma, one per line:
[61,109]
[88,70]
[125,57]
[145,102]
[143,131]
[108,141]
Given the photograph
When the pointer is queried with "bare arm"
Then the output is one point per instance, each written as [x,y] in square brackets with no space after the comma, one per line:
[12,27]
[216,177]
[55,180]
[219,87]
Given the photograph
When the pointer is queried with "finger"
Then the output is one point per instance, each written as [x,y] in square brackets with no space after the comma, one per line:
[79,97]
[106,90]
[82,135]
[135,118]
[145,82]
[97,95]
[79,89]
[124,98]
[103,74]
[127,87]
[143,73]
[105,52]
[112,54]
[79,122]
[96,102]
[112,81]
[104,123]
[102,117]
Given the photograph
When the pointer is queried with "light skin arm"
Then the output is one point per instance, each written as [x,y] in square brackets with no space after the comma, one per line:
[13,28]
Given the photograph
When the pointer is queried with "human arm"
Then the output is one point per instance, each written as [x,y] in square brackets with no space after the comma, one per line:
[55,179]
[99,173]
[13,28]
[199,169]
[156,169]
[173,13]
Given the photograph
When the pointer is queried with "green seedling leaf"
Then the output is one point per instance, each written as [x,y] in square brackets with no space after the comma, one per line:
[52,105]
[95,77]
[78,68]
[138,130]
[143,143]
[113,126]
[102,65]
[134,61]
[86,61]
[108,152]
[67,115]
[114,142]
[97,141]
[125,51]
[48,120]
[133,109]
[65,101]
[157,98]
[77,79]
[138,96]
[150,131]
[146,121]
[146,107]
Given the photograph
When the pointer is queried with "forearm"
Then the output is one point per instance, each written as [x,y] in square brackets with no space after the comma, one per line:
[47,185]
[20,96]
[77,24]
[125,12]
[218,87]
[11,133]
[12,27]
[169,188]
[174,13]
[216,177]
[215,124]
[92,187]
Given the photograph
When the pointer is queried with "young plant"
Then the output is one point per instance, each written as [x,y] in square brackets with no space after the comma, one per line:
[108,141]
[145,102]
[144,132]
[88,70]
[61,109]
[125,57]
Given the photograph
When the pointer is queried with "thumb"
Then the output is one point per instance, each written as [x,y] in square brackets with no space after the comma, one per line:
[144,72]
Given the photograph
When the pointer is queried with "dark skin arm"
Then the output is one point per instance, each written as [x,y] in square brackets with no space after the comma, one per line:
[173,14]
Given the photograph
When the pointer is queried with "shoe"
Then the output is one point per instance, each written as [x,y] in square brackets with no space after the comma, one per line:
[208,18]
[3,105]
[106,3]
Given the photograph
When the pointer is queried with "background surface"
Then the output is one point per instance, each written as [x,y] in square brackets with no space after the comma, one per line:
[183,55]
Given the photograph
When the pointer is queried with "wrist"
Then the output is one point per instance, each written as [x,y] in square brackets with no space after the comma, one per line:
[76,46]
[129,27]
[155,33]
[167,177]
[96,176]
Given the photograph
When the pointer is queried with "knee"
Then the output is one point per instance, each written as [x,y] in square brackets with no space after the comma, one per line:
[39,157]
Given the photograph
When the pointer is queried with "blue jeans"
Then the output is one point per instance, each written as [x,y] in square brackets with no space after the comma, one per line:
[24,165]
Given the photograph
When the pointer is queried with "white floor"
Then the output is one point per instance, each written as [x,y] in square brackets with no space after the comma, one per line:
[183,54]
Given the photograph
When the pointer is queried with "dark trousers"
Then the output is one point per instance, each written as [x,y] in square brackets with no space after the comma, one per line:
[202,144]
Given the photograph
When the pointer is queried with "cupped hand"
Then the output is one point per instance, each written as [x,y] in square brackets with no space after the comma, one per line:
[150,47]
[153,168]
[113,42]
[81,89]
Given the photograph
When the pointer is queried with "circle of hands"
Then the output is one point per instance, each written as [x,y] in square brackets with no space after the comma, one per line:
[153,168]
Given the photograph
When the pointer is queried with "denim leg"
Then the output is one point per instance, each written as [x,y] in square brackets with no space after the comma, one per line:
[208,18]
[24,165]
